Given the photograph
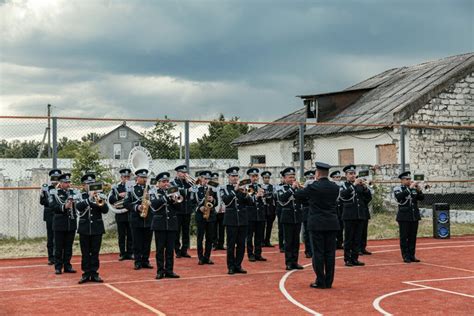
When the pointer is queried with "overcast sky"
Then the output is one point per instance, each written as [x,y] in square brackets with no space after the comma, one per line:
[195,59]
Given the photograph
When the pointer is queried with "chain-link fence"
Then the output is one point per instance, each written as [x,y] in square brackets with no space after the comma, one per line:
[30,146]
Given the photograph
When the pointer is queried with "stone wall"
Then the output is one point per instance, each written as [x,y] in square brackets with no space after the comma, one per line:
[444,154]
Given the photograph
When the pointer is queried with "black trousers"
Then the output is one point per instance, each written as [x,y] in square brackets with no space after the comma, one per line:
[292,243]
[306,239]
[63,249]
[352,236]
[181,244]
[50,239]
[142,237]
[164,242]
[205,229]
[255,234]
[219,231]
[340,233]
[125,239]
[323,244]
[408,232]
[281,235]
[270,219]
[363,237]
[235,245]
[90,248]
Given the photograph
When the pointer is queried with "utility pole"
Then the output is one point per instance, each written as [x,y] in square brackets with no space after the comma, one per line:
[49,130]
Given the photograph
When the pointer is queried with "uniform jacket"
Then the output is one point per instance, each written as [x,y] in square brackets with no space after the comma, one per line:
[235,206]
[321,197]
[269,199]
[186,207]
[407,200]
[255,208]
[48,213]
[90,216]
[114,197]
[64,219]
[199,198]
[355,199]
[132,202]
[164,216]
[290,209]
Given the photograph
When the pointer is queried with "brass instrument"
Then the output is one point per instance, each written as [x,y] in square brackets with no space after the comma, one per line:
[174,194]
[98,199]
[207,205]
[145,203]
[191,180]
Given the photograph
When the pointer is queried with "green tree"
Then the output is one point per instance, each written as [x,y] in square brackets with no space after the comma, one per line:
[22,149]
[160,142]
[88,159]
[68,148]
[91,137]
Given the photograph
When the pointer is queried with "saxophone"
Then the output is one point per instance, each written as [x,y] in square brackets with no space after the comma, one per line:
[207,207]
[145,203]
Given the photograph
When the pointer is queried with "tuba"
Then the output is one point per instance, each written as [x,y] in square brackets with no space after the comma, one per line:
[139,158]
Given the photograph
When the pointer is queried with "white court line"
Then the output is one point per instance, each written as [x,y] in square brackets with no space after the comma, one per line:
[438,289]
[300,305]
[376,302]
[446,267]
[444,279]
[425,244]
[135,300]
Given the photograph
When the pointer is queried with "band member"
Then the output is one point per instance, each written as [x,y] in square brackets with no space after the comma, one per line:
[336,178]
[165,226]
[91,228]
[269,206]
[407,195]
[322,224]
[309,177]
[281,239]
[48,213]
[353,196]
[183,211]
[235,219]
[124,230]
[256,218]
[140,218]
[62,202]
[365,226]
[219,228]
[291,217]
[206,202]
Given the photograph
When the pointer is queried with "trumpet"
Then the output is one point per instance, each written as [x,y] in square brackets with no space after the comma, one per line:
[99,199]
[174,194]
[191,180]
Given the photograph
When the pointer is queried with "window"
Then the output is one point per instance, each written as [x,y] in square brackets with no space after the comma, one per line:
[386,154]
[307,156]
[122,133]
[117,151]
[257,160]
[346,157]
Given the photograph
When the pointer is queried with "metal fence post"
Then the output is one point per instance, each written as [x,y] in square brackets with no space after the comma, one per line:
[186,142]
[301,134]
[402,148]
[55,142]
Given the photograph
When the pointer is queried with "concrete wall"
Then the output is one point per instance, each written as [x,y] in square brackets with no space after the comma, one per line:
[277,153]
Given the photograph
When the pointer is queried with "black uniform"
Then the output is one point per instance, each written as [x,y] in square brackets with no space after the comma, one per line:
[64,227]
[306,238]
[354,199]
[407,217]
[90,230]
[366,198]
[165,226]
[142,235]
[183,211]
[340,232]
[124,229]
[291,218]
[281,237]
[219,228]
[205,228]
[256,226]
[236,221]
[322,226]
[48,215]
[270,213]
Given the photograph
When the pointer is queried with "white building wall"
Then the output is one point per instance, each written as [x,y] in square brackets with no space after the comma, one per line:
[277,153]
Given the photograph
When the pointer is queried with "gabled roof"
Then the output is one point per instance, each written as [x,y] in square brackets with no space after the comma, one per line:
[123,125]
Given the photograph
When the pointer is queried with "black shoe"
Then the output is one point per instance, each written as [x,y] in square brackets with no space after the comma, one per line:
[209,261]
[147,266]
[415,259]
[289,267]
[171,275]
[358,263]
[298,266]
[83,279]
[137,266]
[178,255]
[122,258]
[316,286]
[69,270]
[269,245]
[240,270]
[282,250]
[50,262]
[252,258]
[221,248]
[160,276]
[97,278]
[339,247]
[200,262]
[348,264]
[308,255]
[231,271]
[406,260]
[260,258]
[185,255]
[366,252]
[58,271]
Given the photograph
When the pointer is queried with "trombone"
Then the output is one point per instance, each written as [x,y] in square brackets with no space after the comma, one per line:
[191,180]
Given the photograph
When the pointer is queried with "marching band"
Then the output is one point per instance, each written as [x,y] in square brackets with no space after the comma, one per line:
[241,213]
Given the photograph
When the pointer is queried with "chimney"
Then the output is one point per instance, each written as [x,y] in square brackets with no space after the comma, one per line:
[311,110]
